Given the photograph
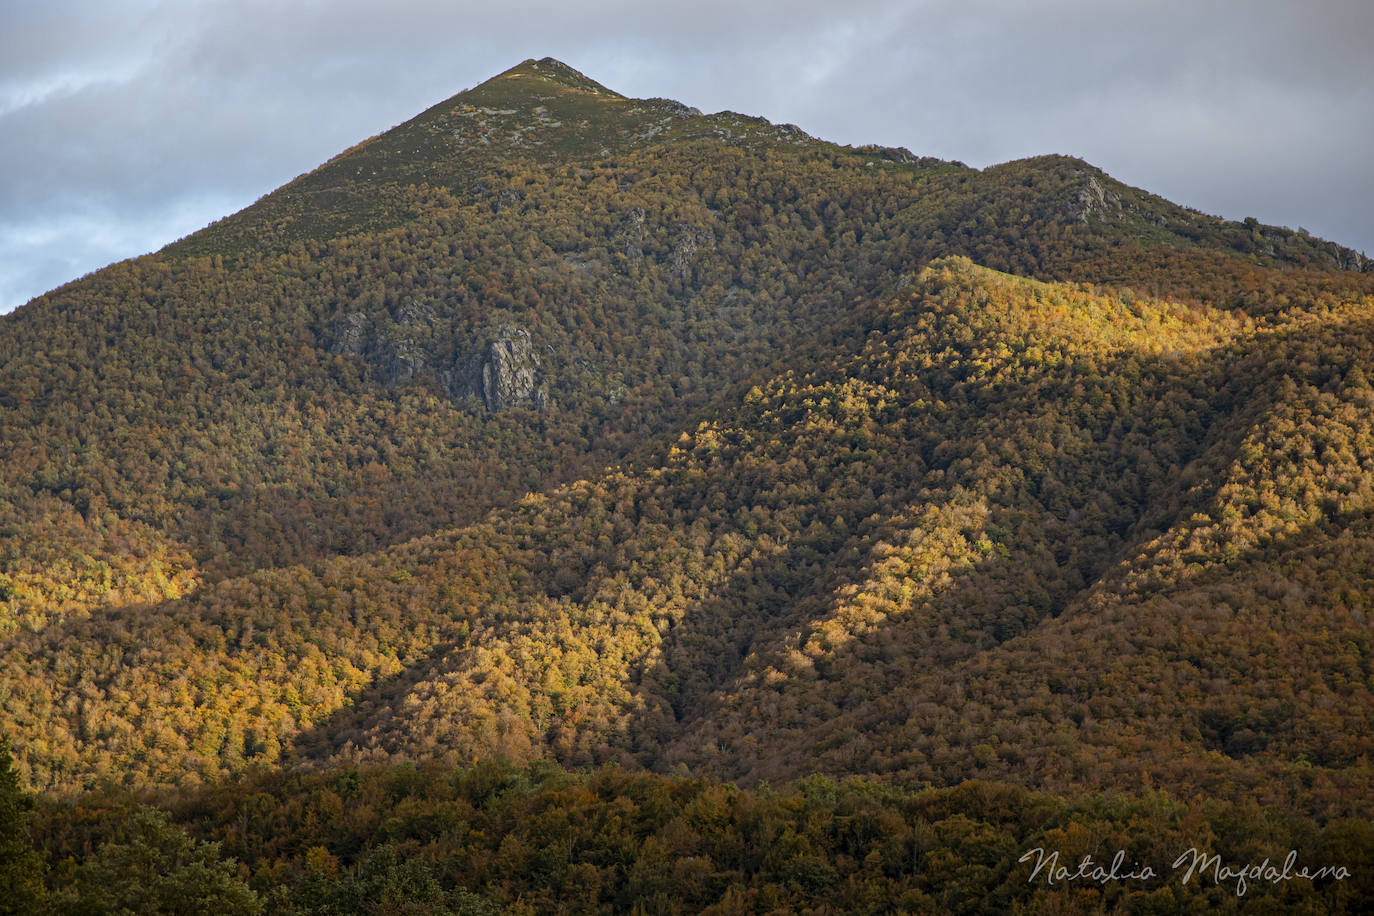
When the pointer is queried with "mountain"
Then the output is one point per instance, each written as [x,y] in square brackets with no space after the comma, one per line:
[554,428]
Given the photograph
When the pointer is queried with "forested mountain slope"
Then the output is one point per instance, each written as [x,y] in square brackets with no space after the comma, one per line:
[558,425]
[991,527]
[219,407]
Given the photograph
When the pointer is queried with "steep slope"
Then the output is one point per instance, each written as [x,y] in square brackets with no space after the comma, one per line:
[306,377]
[990,526]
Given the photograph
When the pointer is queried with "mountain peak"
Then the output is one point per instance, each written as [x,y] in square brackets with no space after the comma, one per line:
[552,70]
[553,64]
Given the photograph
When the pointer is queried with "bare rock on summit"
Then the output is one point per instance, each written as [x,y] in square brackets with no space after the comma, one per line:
[676,108]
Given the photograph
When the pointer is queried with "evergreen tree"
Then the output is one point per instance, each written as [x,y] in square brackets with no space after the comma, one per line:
[21,867]
[385,883]
[152,867]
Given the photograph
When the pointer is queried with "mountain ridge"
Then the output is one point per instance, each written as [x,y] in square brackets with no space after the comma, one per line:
[522,85]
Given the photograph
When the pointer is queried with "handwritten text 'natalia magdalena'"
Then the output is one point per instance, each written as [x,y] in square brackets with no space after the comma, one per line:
[1190,864]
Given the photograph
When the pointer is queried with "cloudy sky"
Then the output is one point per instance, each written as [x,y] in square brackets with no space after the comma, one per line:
[126,124]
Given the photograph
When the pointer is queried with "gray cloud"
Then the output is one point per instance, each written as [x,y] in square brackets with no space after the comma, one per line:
[128,123]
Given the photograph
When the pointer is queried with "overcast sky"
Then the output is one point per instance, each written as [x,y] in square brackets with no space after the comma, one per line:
[126,124]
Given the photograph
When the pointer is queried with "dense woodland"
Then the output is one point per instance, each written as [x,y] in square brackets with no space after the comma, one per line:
[855,522]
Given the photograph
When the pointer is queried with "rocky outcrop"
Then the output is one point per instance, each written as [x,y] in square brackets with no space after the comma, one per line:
[632,232]
[396,348]
[675,108]
[504,372]
[904,156]
[1349,259]
[351,335]
[1095,201]
[635,230]
[889,153]
[684,252]
[510,375]
[399,360]
[403,354]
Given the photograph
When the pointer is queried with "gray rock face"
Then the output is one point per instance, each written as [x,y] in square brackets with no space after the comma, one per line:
[393,348]
[505,372]
[510,374]
[398,360]
[903,155]
[632,233]
[1095,201]
[1349,259]
[414,313]
[676,108]
[351,335]
[684,253]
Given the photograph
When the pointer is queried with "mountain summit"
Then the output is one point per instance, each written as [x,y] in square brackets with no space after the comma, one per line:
[556,430]
[550,70]
[548,114]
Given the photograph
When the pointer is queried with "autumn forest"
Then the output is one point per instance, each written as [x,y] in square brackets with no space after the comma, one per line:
[569,503]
